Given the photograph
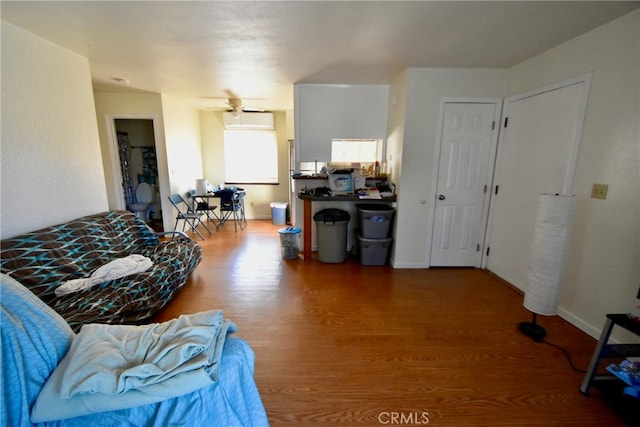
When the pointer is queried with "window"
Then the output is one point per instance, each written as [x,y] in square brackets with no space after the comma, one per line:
[354,150]
[250,157]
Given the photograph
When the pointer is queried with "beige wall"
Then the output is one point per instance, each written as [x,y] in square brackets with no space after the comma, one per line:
[110,106]
[395,140]
[259,197]
[51,162]
[603,273]
[178,149]
[183,140]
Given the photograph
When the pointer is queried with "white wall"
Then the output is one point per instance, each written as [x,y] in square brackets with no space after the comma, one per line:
[259,197]
[411,135]
[51,163]
[423,89]
[603,273]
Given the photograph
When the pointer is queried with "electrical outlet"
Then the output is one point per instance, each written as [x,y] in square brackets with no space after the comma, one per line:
[599,191]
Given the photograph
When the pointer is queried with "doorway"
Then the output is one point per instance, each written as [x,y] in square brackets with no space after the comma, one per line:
[138,164]
[468,140]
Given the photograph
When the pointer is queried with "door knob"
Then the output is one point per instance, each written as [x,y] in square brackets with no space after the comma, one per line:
[441,197]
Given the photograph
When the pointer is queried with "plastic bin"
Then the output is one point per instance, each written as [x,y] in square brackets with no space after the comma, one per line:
[278,213]
[331,226]
[373,251]
[290,242]
[374,220]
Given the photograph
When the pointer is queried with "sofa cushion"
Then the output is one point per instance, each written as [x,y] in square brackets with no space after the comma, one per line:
[132,299]
[44,259]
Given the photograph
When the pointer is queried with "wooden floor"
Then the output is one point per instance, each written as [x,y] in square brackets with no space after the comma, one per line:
[349,345]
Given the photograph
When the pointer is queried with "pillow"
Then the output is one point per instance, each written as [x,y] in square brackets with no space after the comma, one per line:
[34,340]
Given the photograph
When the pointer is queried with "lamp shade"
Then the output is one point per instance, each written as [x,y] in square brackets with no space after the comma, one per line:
[201,186]
[548,255]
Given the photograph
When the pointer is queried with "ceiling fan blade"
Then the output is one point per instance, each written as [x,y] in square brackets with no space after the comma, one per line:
[252,110]
[233,104]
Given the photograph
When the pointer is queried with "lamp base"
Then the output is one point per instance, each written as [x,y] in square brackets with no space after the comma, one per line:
[532,330]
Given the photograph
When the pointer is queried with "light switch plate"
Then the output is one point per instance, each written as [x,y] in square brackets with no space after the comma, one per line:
[599,191]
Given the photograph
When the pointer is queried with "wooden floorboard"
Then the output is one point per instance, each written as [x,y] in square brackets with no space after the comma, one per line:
[351,345]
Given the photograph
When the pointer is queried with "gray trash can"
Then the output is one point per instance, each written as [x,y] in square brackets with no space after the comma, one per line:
[374,220]
[373,251]
[331,226]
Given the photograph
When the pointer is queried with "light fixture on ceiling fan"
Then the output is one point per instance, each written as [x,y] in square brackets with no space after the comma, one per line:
[237,108]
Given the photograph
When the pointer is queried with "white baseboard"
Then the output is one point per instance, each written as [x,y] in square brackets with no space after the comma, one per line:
[580,324]
[408,265]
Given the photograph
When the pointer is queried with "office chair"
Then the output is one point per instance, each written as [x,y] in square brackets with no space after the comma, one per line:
[187,215]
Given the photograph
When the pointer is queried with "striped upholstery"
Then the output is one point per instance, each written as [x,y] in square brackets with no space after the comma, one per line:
[44,259]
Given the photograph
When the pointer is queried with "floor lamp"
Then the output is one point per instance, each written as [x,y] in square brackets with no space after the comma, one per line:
[547,260]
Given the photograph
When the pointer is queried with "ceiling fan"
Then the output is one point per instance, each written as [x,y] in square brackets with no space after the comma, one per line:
[236,107]
[232,104]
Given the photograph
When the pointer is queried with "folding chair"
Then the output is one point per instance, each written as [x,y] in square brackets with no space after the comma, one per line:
[232,205]
[188,216]
[202,206]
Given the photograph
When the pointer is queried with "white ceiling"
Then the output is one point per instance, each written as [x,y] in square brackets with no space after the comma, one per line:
[258,50]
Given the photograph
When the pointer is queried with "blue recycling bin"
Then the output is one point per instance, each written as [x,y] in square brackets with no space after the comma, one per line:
[279,213]
[290,242]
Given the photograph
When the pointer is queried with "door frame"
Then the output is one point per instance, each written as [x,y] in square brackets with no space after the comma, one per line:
[114,154]
[498,102]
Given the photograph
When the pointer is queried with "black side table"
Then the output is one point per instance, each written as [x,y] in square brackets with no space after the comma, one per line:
[604,349]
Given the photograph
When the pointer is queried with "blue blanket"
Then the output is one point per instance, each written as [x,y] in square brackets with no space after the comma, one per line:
[35,340]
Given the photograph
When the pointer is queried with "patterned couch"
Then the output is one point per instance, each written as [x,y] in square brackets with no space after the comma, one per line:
[42,260]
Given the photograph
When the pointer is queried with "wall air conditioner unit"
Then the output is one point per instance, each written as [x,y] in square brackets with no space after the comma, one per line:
[248,121]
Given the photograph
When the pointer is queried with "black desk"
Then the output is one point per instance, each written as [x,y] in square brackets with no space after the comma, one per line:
[231,203]
[604,349]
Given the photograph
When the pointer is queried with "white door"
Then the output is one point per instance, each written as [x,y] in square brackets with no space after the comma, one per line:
[537,154]
[467,150]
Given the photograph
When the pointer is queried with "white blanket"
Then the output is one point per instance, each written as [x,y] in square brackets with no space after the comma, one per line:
[110,367]
[115,269]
